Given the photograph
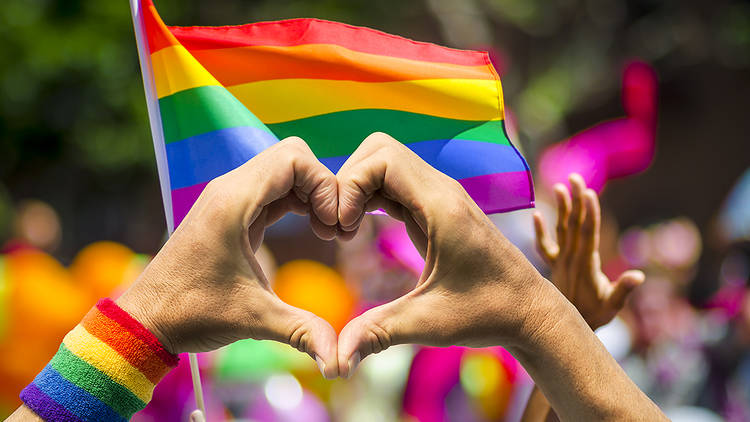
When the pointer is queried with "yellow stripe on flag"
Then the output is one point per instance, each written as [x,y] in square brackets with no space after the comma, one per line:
[175,70]
[282,100]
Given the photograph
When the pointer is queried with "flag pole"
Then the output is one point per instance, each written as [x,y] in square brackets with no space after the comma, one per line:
[154,116]
[157,135]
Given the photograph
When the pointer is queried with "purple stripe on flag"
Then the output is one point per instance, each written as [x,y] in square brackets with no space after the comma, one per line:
[498,192]
[183,199]
[501,192]
[44,406]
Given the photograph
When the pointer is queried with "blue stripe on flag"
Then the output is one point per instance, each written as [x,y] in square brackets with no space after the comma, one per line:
[203,157]
[458,158]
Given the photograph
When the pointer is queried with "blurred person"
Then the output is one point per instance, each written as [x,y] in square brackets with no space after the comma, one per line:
[35,225]
[727,389]
[670,336]
[205,289]
[576,267]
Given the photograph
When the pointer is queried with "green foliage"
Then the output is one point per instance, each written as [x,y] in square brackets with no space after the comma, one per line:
[70,80]
[69,74]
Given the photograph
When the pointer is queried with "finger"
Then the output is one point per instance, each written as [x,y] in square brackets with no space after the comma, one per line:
[305,332]
[354,226]
[271,214]
[395,210]
[575,219]
[281,207]
[546,247]
[591,227]
[323,231]
[371,332]
[287,166]
[624,285]
[410,319]
[382,163]
[562,197]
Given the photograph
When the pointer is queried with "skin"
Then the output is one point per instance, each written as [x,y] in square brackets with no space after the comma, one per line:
[576,268]
[205,289]
[574,258]
[476,290]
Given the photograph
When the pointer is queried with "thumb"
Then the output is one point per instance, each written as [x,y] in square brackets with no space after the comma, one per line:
[628,281]
[366,334]
[400,321]
[307,333]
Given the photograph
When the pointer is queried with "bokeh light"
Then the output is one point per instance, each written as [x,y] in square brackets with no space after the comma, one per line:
[283,392]
[317,288]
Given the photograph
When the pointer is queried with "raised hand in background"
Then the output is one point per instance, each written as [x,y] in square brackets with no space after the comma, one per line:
[574,258]
[576,268]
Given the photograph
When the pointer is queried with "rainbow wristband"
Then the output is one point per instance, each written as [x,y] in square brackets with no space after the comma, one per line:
[105,370]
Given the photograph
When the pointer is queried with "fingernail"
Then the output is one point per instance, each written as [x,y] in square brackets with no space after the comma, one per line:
[197,416]
[321,365]
[353,363]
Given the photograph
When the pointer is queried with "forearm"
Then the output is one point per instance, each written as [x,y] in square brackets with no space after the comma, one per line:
[575,372]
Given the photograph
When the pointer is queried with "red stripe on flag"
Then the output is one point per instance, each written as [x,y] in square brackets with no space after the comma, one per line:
[156,32]
[316,31]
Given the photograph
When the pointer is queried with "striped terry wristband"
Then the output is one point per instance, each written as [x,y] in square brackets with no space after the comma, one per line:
[105,370]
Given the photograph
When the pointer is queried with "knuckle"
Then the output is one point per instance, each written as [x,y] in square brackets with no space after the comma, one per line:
[378,337]
[294,147]
[293,141]
[216,194]
[298,338]
[380,140]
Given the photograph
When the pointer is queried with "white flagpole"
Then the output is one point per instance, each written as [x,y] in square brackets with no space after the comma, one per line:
[154,115]
[157,134]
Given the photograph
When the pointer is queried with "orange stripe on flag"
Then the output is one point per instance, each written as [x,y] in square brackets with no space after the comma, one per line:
[233,66]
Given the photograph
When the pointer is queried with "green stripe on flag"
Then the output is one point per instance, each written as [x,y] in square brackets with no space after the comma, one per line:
[337,134]
[201,110]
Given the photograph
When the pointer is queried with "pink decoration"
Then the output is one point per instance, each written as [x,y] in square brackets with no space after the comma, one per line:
[615,148]
[396,246]
[435,372]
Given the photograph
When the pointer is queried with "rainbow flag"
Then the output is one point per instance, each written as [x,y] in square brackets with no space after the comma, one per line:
[219,95]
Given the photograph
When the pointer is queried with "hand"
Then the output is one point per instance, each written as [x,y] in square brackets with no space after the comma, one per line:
[476,289]
[205,289]
[574,259]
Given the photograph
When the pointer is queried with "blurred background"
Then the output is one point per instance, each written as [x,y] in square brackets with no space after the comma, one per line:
[647,99]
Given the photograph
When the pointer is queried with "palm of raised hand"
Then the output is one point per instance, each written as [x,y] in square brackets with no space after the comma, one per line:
[574,259]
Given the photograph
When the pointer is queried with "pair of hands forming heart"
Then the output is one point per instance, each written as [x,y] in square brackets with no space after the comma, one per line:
[205,288]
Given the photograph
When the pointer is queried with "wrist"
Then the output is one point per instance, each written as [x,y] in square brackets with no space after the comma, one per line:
[147,312]
[546,312]
[105,369]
